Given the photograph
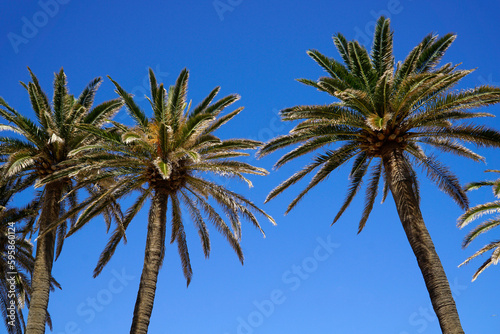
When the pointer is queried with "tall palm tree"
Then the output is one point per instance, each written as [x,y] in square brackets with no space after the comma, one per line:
[169,159]
[476,212]
[16,259]
[385,117]
[34,155]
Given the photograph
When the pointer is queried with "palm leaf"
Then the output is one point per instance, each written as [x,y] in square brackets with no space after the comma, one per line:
[480,229]
[179,235]
[478,211]
[335,159]
[358,171]
[134,110]
[60,92]
[383,59]
[371,194]
[432,54]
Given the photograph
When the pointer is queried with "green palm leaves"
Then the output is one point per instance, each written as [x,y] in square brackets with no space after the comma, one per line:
[172,152]
[383,107]
[169,158]
[48,147]
[386,118]
[43,155]
[477,212]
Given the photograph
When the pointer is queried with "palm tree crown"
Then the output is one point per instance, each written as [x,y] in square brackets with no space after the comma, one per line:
[173,151]
[387,115]
[384,108]
[476,212]
[42,150]
[48,146]
[169,158]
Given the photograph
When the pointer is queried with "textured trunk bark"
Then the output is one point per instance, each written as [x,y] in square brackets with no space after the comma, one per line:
[44,258]
[152,263]
[400,184]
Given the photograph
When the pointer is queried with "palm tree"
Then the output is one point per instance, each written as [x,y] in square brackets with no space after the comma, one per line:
[16,260]
[169,159]
[476,212]
[384,115]
[40,150]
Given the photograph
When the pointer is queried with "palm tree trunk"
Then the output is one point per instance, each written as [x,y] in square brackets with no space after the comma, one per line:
[401,186]
[152,262]
[44,258]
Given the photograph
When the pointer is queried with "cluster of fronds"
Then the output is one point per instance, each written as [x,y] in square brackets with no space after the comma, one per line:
[477,212]
[171,151]
[384,107]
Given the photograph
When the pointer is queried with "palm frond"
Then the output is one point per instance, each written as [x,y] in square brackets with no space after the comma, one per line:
[480,229]
[492,260]
[479,184]
[119,232]
[371,194]
[330,65]
[219,224]
[342,46]
[134,110]
[153,88]
[382,55]
[177,97]
[60,93]
[307,147]
[179,236]
[200,108]
[86,98]
[311,83]
[432,53]
[333,159]
[217,107]
[450,146]
[199,222]
[479,135]
[360,166]
[222,120]
[443,178]
[103,112]
[296,177]
[476,212]
[361,65]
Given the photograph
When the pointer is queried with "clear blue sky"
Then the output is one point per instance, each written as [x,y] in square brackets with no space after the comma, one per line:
[370,283]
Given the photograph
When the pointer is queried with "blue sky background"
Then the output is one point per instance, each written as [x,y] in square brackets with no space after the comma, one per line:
[371,282]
